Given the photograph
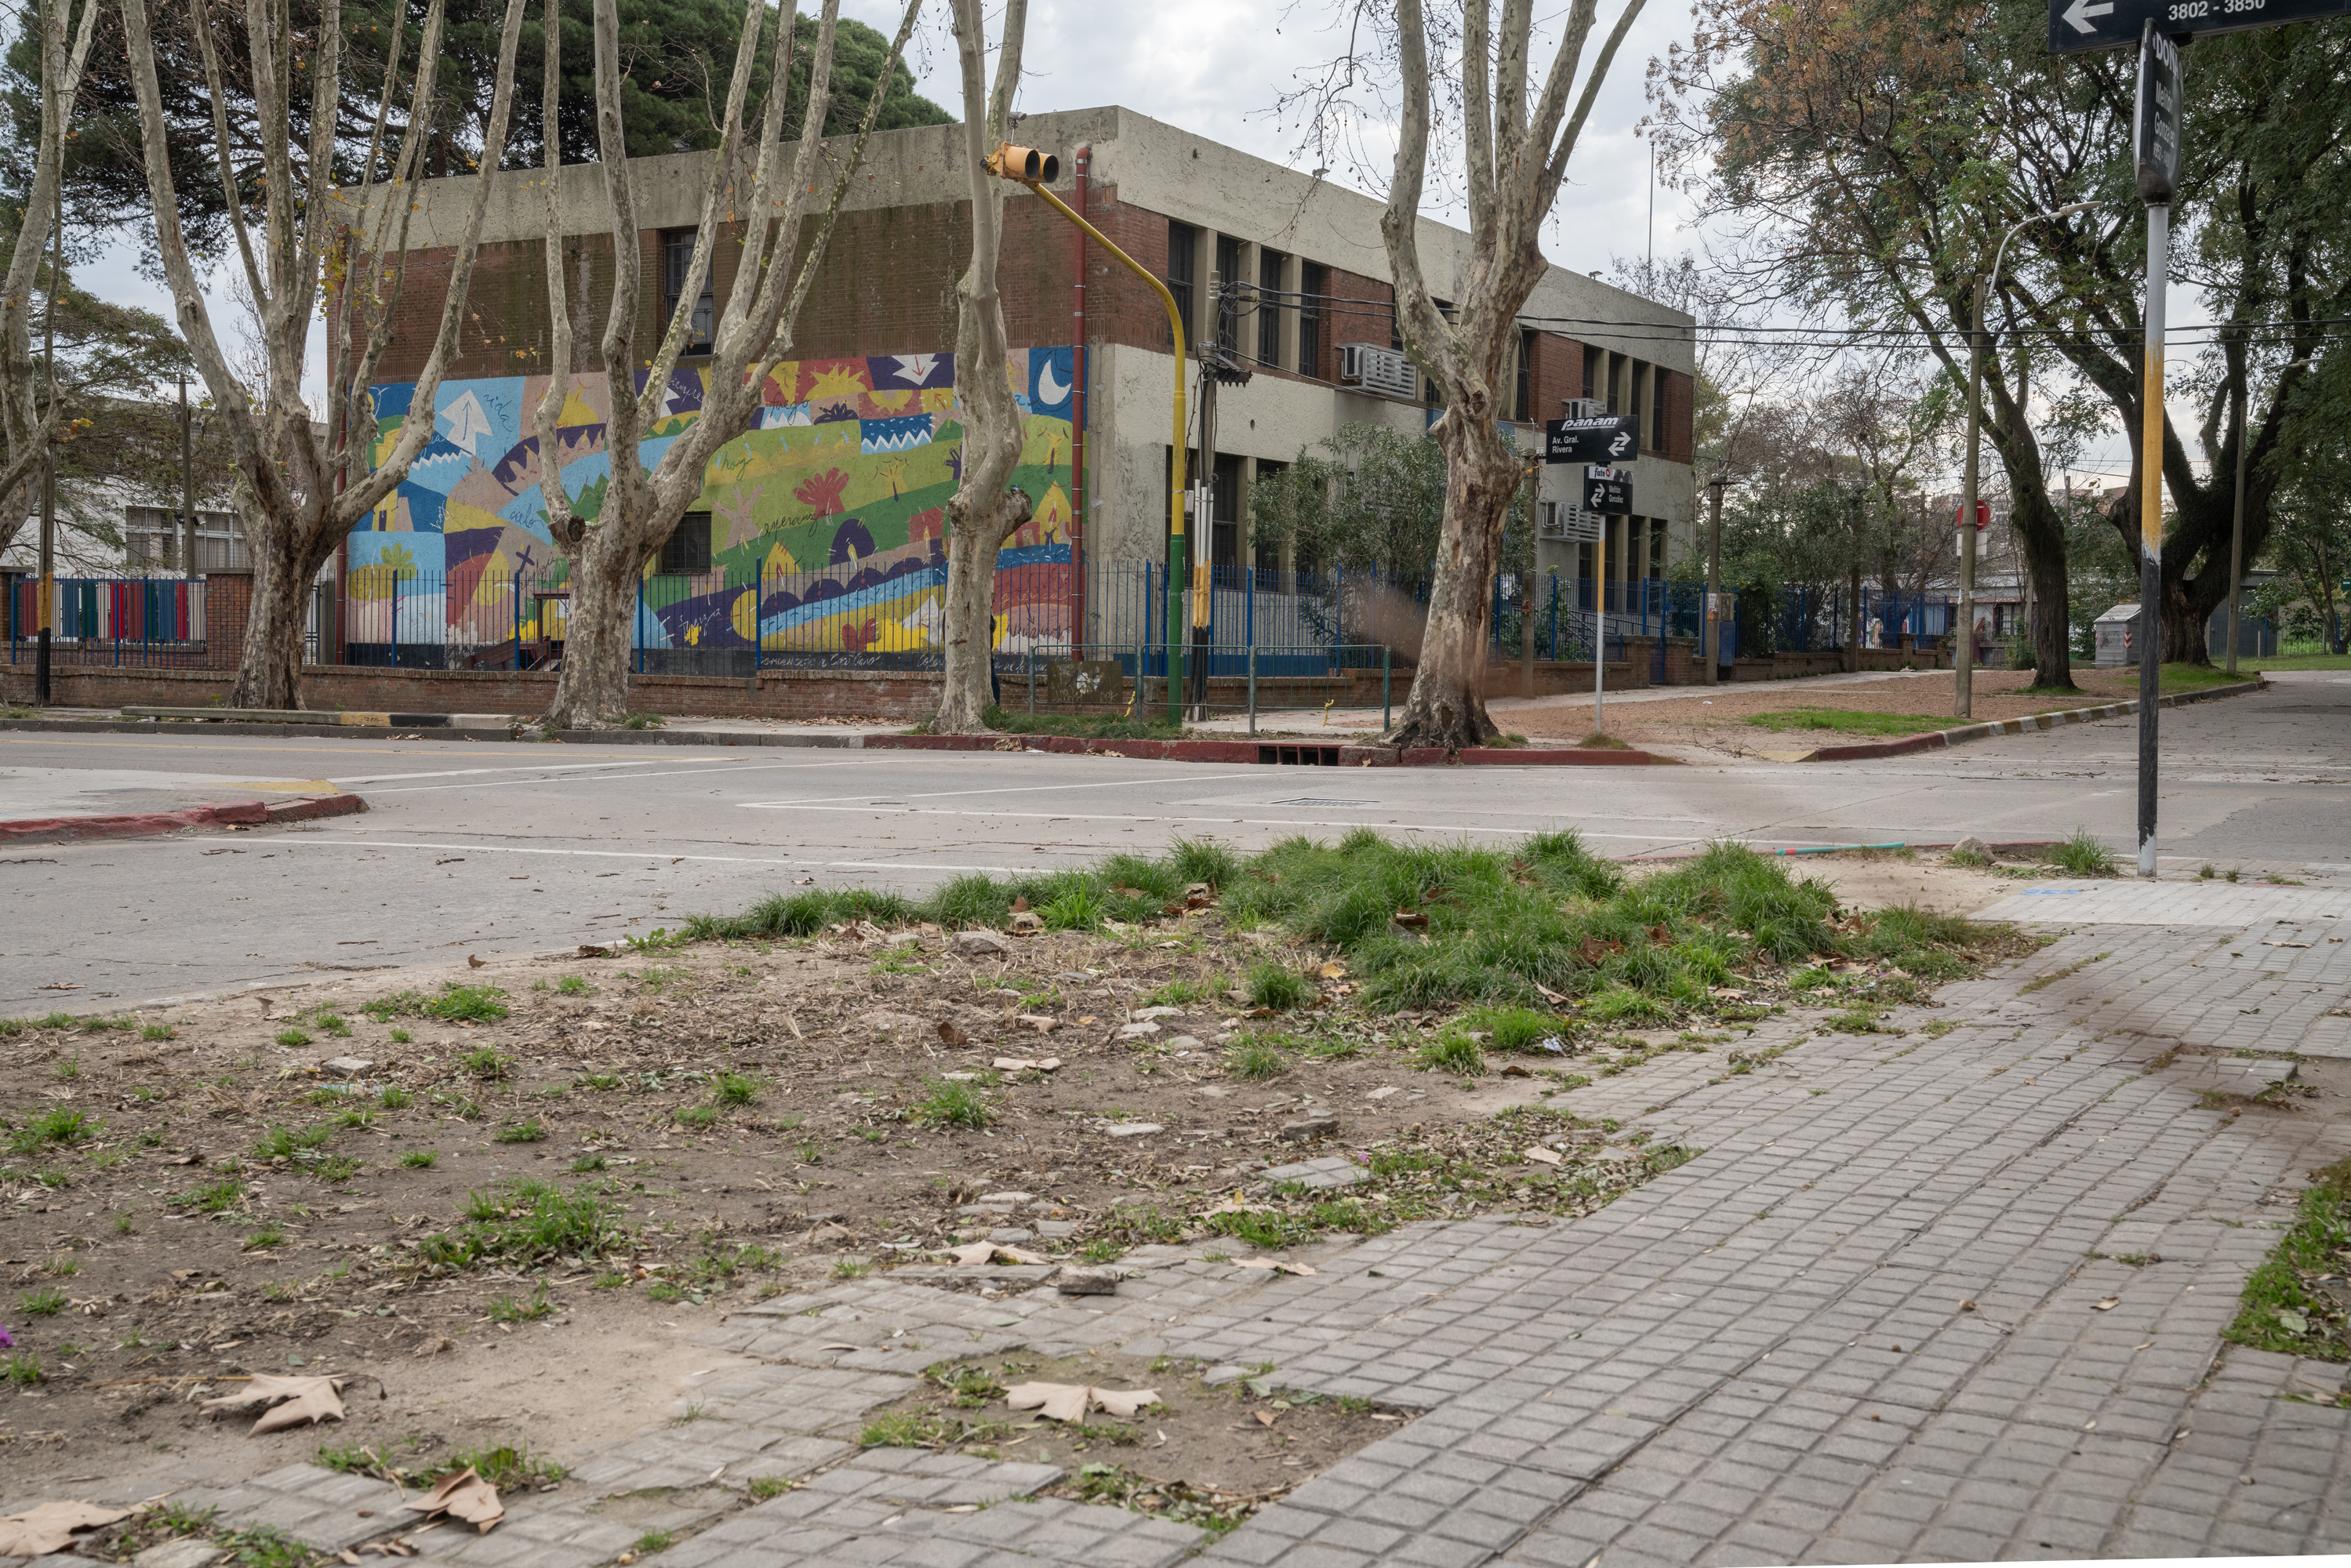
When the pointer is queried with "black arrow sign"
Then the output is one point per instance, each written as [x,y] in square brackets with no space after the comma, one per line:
[1612,440]
[2076,25]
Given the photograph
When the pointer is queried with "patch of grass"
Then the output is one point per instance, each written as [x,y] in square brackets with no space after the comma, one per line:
[2197,677]
[420,1159]
[696,1118]
[1256,1060]
[950,1103]
[1268,983]
[44,1302]
[213,1196]
[2081,855]
[1847,721]
[504,1467]
[520,1309]
[573,986]
[267,1235]
[22,1368]
[2286,1307]
[466,1004]
[762,1488]
[524,1222]
[155,1031]
[1454,1053]
[1095,727]
[61,1126]
[292,1037]
[529,1130]
[735,1089]
[291,1142]
[486,1063]
[1517,1029]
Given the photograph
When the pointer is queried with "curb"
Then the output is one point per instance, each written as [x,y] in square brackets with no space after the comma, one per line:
[328,718]
[1937,739]
[143,824]
[1270,752]
[435,733]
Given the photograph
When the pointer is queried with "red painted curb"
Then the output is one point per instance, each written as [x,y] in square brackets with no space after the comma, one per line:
[1932,740]
[140,824]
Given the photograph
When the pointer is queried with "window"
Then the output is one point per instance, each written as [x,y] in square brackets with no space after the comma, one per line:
[1656,408]
[1228,272]
[1590,370]
[1224,495]
[1269,264]
[1183,244]
[677,256]
[1522,408]
[1268,471]
[1314,282]
[1657,547]
[687,552]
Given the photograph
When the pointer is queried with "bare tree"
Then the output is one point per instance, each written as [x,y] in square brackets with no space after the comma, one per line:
[984,511]
[29,425]
[1516,137]
[299,495]
[754,331]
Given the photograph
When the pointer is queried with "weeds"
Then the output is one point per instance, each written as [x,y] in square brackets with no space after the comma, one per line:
[524,1222]
[2081,855]
[1271,985]
[953,1103]
[1255,1060]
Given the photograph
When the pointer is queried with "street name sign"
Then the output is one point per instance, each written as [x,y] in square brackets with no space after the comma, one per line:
[2155,119]
[2077,25]
[1607,440]
[1607,490]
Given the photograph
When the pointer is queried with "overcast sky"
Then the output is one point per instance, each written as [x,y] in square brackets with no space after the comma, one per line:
[1219,67]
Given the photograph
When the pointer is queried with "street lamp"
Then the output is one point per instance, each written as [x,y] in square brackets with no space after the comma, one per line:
[1965,664]
[1027,166]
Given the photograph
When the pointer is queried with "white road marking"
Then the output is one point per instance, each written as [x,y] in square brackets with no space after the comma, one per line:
[673,773]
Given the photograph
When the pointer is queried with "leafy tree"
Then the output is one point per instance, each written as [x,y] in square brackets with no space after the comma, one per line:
[1371,497]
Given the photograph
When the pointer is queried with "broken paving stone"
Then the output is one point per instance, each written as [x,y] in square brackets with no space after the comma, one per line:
[978,1254]
[1545,1157]
[1136,1030]
[1043,1023]
[1006,1198]
[1073,1282]
[182,1553]
[1335,1170]
[1184,1042]
[1057,1229]
[346,1066]
[1070,1401]
[1157,1012]
[1384,1093]
[1306,1129]
[1131,1129]
[1012,1234]
[1027,1064]
[1025,923]
[979,945]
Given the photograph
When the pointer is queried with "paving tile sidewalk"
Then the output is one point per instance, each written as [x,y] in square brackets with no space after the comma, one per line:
[1922,1296]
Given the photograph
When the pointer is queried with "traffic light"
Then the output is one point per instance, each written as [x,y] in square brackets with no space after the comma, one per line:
[1025,164]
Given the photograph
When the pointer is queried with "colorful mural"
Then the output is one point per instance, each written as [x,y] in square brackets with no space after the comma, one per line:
[828,520]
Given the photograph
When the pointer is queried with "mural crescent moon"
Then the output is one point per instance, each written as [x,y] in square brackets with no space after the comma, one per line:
[1047,392]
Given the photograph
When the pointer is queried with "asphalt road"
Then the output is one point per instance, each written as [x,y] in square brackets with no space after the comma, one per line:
[495,847]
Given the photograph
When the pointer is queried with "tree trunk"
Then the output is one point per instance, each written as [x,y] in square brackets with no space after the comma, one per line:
[1447,704]
[2043,549]
[1852,660]
[591,688]
[269,667]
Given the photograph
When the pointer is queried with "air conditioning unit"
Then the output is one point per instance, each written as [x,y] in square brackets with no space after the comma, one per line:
[1373,369]
[1568,523]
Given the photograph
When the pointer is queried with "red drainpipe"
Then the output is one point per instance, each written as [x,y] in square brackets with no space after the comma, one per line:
[1077,424]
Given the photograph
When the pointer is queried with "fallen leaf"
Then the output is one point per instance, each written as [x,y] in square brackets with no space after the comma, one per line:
[950,1035]
[474,961]
[59,986]
[50,1527]
[1264,1418]
[1020,904]
[2107,1305]
[1041,1022]
[464,1495]
[294,1401]
[1548,994]
[840,1345]
[1411,919]
[589,950]
[1277,1265]
[972,1254]
[1333,970]
[1969,1305]
[1546,1157]
[1660,935]
[1027,1064]
[1071,1401]
[1515,1071]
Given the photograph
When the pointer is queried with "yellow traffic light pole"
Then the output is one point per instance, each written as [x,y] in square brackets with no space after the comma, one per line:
[1033,169]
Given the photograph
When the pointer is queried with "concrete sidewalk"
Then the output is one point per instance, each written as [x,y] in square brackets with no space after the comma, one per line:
[1886,1315]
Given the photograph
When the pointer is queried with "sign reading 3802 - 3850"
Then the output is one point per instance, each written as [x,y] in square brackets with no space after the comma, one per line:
[2075,24]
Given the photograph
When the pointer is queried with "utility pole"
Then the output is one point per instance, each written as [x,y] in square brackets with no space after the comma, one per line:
[2237,523]
[2157,145]
[1204,548]
[1964,664]
[1527,584]
[1713,635]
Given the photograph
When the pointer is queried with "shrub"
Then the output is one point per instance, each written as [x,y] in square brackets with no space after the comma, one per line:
[1273,985]
[952,1103]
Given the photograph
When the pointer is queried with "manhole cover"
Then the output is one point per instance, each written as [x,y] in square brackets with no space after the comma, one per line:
[1317,800]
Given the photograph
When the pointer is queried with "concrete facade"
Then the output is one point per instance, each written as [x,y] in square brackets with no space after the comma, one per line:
[887,286]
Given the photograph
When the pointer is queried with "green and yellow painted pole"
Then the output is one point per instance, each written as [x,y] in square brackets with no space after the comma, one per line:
[1033,169]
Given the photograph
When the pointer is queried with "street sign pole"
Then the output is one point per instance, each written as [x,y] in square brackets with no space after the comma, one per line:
[2157,138]
[1965,665]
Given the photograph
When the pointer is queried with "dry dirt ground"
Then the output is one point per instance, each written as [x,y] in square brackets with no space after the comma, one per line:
[1712,724]
[500,1200]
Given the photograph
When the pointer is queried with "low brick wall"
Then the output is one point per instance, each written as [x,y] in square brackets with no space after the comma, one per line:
[799,695]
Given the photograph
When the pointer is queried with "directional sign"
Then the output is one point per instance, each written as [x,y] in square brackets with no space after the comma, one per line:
[2115,23]
[2155,123]
[1607,490]
[1594,439]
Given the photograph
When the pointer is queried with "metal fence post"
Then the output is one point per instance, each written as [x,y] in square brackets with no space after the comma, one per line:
[1032,677]
[1384,704]
[637,625]
[396,618]
[1252,688]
